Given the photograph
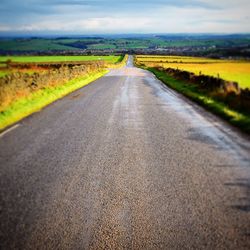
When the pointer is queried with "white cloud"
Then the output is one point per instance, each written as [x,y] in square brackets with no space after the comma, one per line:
[105,24]
[227,16]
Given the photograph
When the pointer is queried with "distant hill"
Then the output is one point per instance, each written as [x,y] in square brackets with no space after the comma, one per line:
[193,44]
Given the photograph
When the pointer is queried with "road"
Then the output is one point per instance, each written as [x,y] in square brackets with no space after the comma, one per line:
[124,163]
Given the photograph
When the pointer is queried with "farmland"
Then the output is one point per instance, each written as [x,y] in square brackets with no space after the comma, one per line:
[110,59]
[222,86]
[49,59]
[230,70]
[192,44]
[33,82]
[125,124]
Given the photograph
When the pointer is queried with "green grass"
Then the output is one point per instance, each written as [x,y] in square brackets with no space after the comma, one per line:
[236,118]
[110,59]
[41,98]
[3,73]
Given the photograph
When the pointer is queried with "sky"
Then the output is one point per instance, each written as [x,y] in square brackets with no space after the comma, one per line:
[120,16]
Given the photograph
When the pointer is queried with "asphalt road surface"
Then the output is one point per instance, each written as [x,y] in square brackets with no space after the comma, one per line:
[124,163]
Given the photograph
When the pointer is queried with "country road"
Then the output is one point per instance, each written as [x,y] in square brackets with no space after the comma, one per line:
[124,163]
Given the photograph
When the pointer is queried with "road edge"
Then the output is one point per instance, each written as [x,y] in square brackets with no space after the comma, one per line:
[242,124]
[43,99]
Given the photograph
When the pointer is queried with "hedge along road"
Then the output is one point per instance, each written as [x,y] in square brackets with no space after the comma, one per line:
[124,163]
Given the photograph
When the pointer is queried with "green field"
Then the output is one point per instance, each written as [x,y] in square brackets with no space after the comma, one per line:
[102,46]
[110,59]
[36,59]
[126,42]
[32,45]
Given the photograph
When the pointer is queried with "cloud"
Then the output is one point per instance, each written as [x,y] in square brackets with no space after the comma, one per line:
[112,16]
[106,24]
[4,28]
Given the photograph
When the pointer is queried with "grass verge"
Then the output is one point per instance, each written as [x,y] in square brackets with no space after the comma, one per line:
[236,118]
[119,64]
[41,98]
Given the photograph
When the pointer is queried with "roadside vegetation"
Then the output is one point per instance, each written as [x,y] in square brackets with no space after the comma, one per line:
[225,98]
[32,64]
[230,70]
[26,87]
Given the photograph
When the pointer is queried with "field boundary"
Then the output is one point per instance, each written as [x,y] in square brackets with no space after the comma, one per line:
[41,98]
[23,93]
[236,118]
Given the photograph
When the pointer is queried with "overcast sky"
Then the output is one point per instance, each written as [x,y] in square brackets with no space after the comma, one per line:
[120,16]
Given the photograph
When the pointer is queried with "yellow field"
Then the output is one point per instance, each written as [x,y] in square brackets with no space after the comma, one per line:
[179,59]
[231,70]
